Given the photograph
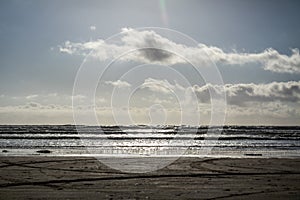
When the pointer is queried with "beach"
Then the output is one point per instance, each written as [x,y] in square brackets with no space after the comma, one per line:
[149,100]
[65,177]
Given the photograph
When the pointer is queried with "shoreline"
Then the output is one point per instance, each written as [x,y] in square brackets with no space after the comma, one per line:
[150,156]
[187,178]
[55,152]
[221,155]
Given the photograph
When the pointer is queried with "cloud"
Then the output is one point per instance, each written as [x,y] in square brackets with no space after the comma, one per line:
[270,59]
[78,97]
[92,28]
[32,96]
[162,86]
[271,103]
[118,84]
[42,98]
[33,105]
[275,91]
[154,48]
[35,113]
[272,109]
[237,94]
[82,48]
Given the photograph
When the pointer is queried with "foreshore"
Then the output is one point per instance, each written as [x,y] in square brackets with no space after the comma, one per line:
[42,177]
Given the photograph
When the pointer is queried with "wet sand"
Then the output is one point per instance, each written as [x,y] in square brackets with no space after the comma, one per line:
[42,177]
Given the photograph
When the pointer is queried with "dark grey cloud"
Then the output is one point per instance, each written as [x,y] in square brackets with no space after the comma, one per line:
[32,105]
[155,55]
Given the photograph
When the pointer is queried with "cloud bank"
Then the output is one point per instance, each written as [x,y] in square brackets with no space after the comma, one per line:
[154,48]
[237,94]
[118,84]
[271,103]
[240,94]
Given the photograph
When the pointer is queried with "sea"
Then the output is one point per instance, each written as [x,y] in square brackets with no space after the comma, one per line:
[143,140]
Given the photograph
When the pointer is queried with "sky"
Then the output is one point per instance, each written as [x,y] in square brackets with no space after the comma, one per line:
[252,44]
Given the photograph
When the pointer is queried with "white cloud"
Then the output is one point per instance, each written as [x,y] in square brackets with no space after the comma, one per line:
[101,100]
[118,84]
[275,91]
[53,95]
[275,102]
[32,96]
[154,48]
[44,99]
[81,48]
[237,94]
[35,106]
[264,113]
[272,103]
[270,59]
[35,113]
[92,28]
[161,86]
[79,97]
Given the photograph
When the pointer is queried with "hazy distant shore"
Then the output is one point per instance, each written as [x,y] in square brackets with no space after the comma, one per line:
[187,178]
